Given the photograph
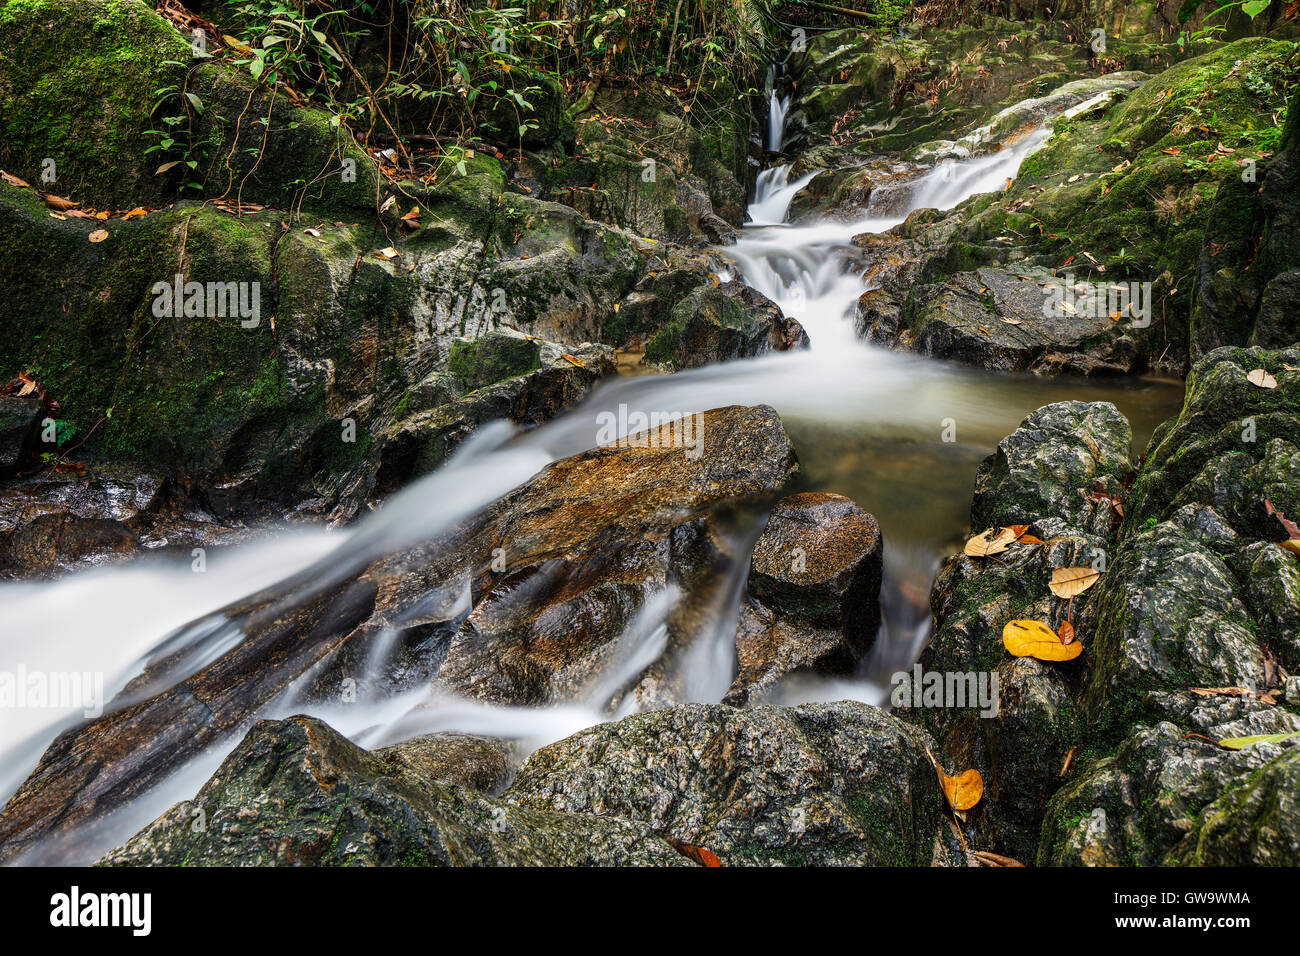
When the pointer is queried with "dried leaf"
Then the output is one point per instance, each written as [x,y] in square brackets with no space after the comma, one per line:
[1066,632]
[1241,743]
[1036,639]
[964,790]
[995,859]
[58,202]
[388,253]
[1067,582]
[1069,759]
[99,235]
[986,544]
[573,361]
[13,180]
[692,852]
[1261,378]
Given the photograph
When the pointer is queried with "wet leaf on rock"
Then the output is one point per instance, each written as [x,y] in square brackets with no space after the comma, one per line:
[1036,639]
[692,852]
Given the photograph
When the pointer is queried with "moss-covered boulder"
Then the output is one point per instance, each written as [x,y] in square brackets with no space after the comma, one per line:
[297,793]
[815,785]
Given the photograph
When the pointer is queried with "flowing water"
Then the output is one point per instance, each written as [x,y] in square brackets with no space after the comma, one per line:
[866,422]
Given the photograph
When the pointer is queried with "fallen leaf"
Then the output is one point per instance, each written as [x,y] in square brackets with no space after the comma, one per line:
[13,180]
[983,545]
[1067,582]
[1069,758]
[573,361]
[99,235]
[388,253]
[1261,378]
[995,859]
[1029,539]
[1241,743]
[1036,639]
[692,852]
[964,790]
[1066,632]
[59,203]
[1013,321]
[137,211]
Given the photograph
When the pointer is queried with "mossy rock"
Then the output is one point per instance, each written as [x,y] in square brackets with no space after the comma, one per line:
[78,79]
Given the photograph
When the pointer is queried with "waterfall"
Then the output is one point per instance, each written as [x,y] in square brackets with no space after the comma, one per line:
[847,404]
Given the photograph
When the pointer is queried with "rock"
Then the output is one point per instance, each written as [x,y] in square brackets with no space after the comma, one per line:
[813,594]
[592,531]
[1043,472]
[51,522]
[20,420]
[819,784]
[486,764]
[996,319]
[296,793]
[716,324]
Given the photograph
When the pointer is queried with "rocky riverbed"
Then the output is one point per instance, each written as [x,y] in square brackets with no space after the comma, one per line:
[576,597]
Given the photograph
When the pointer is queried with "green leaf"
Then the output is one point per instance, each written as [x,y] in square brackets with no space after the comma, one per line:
[195,101]
[1241,743]
[1253,8]
[256,66]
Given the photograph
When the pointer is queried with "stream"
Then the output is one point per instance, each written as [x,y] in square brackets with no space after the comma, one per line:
[867,423]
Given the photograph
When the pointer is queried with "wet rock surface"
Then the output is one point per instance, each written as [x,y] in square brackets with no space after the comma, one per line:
[296,793]
[1186,632]
[813,594]
[818,784]
[586,540]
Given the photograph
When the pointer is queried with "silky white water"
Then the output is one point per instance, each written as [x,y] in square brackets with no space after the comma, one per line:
[112,620]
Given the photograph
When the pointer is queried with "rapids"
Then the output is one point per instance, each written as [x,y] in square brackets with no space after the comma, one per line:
[867,422]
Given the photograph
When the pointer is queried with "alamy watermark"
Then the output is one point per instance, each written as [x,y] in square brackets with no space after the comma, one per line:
[212,300]
[61,690]
[1099,300]
[637,429]
[917,688]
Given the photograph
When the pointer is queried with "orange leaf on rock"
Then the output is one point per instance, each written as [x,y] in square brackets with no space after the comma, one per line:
[1036,639]
[964,790]
[692,852]
[1065,632]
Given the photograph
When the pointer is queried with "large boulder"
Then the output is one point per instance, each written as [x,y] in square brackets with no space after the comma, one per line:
[818,784]
[296,793]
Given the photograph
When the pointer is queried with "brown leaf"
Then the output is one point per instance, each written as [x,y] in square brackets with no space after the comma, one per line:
[1066,632]
[995,859]
[14,180]
[1069,759]
[1067,582]
[1290,527]
[58,202]
[99,235]
[692,852]
[986,544]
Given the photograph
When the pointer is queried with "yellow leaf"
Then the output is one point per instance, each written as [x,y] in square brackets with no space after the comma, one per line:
[964,790]
[1067,582]
[1036,639]
[573,361]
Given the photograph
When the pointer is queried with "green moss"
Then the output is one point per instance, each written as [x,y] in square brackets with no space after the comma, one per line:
[78,81]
